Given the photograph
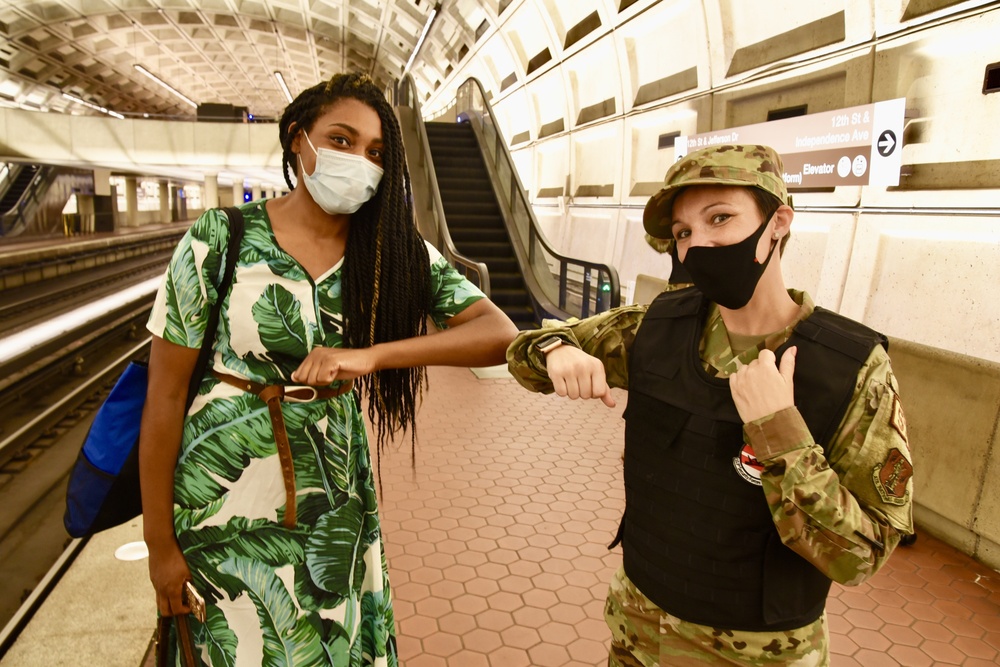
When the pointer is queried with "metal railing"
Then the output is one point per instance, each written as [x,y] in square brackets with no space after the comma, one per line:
[406,96]
[563,286]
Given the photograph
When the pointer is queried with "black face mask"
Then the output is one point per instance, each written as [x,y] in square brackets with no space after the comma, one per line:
[728,275]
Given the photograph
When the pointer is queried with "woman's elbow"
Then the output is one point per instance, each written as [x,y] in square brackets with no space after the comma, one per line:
[503,333]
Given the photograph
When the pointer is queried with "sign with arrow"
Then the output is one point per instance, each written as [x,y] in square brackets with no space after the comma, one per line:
[854,146]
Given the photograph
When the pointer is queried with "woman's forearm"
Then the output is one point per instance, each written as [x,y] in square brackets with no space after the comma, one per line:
[479,341]
[159,444]
[170,370]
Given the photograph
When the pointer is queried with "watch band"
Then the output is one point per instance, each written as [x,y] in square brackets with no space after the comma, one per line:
[549,343]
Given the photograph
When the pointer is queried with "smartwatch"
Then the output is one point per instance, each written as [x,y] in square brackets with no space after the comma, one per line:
[549,343]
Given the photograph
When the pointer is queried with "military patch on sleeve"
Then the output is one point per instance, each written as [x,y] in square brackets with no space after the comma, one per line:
[897,419]
[891,476]
[747,465]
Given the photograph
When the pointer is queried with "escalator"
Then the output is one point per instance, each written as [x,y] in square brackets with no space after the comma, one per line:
[474,218]
[17,186]
[469,202]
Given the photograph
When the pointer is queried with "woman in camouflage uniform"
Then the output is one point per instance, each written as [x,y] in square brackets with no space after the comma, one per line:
[765,445]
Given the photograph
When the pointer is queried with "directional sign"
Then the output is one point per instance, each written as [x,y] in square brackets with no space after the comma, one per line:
[854,146]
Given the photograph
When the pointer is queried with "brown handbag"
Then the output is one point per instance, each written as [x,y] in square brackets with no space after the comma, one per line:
[166,646]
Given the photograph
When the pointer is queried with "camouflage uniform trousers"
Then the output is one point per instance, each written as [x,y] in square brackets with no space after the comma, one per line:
[643,635]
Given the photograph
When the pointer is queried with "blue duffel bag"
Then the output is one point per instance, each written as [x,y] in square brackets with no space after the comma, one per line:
[108,464]
[104,485]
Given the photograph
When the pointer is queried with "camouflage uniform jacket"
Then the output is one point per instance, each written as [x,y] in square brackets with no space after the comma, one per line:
[843,506]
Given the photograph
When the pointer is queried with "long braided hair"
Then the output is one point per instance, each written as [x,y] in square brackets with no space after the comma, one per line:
[386,272]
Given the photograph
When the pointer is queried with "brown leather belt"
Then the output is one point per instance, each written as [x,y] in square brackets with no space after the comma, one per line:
[273,395]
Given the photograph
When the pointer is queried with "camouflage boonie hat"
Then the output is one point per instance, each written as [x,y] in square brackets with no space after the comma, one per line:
[718,165]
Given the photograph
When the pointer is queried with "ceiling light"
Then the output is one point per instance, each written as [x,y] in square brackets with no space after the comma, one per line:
[166,85]
[93,106]
[423,36]
[284,88]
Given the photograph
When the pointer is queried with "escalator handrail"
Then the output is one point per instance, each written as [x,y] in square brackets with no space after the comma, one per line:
[535,229]
[445,243]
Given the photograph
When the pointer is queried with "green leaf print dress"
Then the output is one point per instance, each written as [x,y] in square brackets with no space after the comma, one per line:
[317,594]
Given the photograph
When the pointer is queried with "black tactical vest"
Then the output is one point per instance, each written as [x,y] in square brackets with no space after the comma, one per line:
[697,536]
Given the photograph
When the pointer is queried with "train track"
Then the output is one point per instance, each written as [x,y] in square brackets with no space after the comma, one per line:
[48,396]
[20,308]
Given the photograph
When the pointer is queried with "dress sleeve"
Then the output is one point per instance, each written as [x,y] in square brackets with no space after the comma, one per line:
[188,290]
[451,292]
[607,336]
[844,509]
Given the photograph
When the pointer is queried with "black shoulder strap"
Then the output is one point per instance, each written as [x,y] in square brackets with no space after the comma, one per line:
[840,333]
[676,303]
[831,351]
[235,216]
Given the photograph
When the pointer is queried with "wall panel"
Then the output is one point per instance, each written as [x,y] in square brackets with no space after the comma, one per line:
[645,160]
[657,66]
[549,105]
[528,35]
[596,168]
[551,169]
[915,278]
[951,144]
[593,234]
[593,97]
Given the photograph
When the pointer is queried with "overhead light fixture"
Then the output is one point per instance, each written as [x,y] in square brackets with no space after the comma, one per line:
[93,106]
[284,87]
[423,36]
[166,85]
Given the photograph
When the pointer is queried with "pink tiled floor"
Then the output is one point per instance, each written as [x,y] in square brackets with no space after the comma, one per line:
[496,545]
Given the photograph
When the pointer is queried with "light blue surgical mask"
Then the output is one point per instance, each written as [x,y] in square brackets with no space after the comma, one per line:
[341,182]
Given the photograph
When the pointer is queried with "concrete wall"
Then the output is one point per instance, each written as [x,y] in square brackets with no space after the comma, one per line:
[952,406]
[132,144]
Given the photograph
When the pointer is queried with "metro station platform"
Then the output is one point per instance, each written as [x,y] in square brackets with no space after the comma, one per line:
[24,249]
[496,548]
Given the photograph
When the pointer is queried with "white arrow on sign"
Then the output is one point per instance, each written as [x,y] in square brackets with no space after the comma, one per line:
[886,143]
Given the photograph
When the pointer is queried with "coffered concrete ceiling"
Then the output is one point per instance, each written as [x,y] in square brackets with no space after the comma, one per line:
[213,51]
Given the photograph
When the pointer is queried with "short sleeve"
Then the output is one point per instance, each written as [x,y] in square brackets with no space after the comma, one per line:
[451,292]
[188,290]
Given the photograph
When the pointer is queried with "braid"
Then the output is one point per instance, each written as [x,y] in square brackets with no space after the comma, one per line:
[386,273]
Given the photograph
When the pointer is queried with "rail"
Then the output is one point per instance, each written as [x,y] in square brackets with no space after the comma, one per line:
[564,286]
[406,95]
[10,632]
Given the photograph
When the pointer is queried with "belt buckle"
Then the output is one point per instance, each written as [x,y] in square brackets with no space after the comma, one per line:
[299,387]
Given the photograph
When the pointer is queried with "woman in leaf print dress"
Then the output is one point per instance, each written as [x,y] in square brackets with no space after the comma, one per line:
[333,286]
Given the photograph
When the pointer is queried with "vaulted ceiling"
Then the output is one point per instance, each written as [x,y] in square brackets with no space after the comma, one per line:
[213,51]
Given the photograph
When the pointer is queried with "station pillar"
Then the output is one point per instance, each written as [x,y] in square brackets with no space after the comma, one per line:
[98,215]
[255,188]
[178,203]
[131,201]
[165,202]
[210,196]
[237,193]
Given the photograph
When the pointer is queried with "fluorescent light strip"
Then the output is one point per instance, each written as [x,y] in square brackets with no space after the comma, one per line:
[18,344]
[166,85]
[284,88]
[420,42]
[93,106]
